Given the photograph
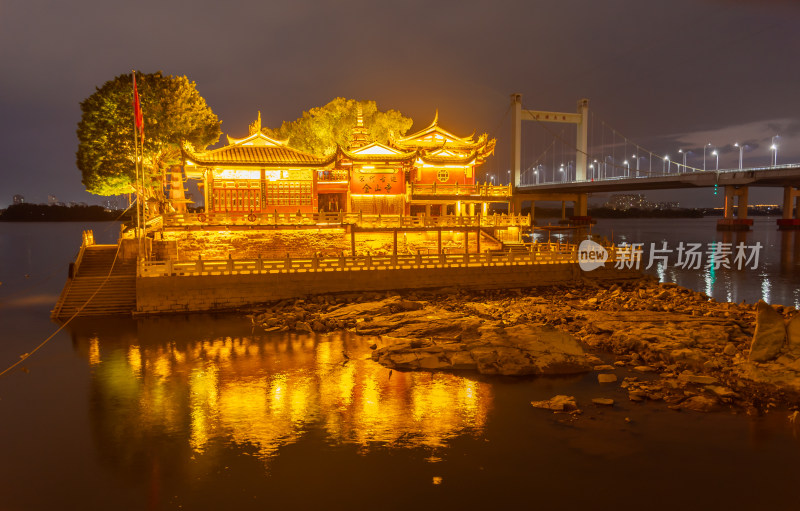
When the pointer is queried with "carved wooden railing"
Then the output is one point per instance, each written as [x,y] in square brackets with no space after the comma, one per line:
[476,191]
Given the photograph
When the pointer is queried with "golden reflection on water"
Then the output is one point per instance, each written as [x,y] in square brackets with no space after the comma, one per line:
[266,393]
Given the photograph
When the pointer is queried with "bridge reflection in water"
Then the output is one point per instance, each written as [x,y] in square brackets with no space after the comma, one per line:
[176,378]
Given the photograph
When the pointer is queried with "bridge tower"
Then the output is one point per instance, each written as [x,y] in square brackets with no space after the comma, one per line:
[580,119]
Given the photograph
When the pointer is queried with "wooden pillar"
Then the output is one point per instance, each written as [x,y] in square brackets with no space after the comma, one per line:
[427,210]
[471,209]
[533,207]
[563,210]
[466,241]
[439,239]
[395,241]
[478,240]
[353,242]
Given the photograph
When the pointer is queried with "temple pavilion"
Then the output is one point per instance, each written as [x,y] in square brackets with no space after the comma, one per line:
[431,171]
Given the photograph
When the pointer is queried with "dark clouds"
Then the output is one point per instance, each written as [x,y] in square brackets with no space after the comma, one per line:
[660,71]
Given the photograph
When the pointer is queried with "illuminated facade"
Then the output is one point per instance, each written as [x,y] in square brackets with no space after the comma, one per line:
[259,174]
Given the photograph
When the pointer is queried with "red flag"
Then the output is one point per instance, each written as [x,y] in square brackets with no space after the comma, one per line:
[137,109]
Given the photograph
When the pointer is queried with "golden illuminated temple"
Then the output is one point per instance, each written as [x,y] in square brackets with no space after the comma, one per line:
[431,171]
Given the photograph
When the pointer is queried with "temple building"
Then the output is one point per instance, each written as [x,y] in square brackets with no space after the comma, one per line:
[431,171]
[445,167]
[257,173]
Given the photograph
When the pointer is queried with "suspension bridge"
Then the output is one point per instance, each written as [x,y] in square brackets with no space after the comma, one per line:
[565,167]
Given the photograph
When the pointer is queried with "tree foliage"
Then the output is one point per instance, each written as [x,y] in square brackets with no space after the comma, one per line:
[174,113]
[320,129]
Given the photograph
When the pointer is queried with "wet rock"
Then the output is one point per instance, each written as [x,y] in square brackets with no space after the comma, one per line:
[606,378]
[604,367]
[688,357]
[302,326]
[603,401]
[559,403]
[722,392]
[689,377]
[644,369]
[770,334]
[637,396]
[730,349]
[699,404]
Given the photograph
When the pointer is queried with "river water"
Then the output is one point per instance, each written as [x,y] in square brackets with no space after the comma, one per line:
[206,412]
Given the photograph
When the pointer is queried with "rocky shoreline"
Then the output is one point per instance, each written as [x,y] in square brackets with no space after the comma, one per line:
[657,342]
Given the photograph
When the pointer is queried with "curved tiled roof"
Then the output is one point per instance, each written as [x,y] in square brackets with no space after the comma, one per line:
[254,155]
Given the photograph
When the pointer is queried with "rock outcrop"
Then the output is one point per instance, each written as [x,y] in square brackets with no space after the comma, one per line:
[770,335]
[513,351]
[680,344]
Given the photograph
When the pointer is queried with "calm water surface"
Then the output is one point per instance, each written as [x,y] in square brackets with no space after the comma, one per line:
[205,412]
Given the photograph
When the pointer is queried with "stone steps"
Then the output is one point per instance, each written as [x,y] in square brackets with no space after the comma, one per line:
[101,286]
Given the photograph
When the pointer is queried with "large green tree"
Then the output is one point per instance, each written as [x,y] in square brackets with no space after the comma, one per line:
[320,129]
[174,113]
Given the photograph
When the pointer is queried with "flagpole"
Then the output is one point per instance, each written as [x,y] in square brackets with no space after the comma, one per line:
[144,190]
[136,167]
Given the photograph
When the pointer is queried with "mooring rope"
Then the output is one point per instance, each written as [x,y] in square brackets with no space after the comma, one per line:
[25,356]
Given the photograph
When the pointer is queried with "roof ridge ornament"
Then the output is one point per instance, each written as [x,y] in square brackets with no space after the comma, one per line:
[255,126]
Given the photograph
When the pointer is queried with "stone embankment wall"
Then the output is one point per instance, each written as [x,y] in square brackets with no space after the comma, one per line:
[174,294]
[271,244]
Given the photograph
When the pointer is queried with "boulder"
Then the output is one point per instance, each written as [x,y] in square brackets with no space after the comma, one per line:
[603,401]
[793,334]
[730,349]
[770,334]
[558,403]
[302,326]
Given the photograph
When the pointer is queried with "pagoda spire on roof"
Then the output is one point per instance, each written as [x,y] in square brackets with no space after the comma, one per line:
[359,132]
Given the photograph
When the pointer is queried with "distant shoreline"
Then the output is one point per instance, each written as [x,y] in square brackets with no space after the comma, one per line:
[46,213]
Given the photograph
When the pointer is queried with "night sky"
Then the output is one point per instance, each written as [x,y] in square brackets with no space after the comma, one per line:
[668,74]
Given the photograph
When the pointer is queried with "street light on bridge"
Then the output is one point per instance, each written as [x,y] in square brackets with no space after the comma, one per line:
[774,148]
[666,161]
[627,168]
[741,150]
[704,154]
[684,159]
[716,153]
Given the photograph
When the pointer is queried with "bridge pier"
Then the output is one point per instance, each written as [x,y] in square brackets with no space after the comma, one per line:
[740,222]
[791,200]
